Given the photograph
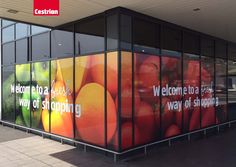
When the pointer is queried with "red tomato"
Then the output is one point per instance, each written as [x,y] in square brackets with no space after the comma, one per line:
[169,63]
[208,116]
[126,102]
[195,119]
[149,76]
[173,130]
[166,115]
[145,121]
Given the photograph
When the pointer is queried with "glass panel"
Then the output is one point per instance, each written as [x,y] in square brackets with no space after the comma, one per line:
[61,98]
[40,95]
[126,34]
[171,109]
[7,22]
[231,90]
[22,51]
[40,47]
[207,92]
[23,102]
[8,95]
[220,91]
[22,30]
[191,92]
[112,98]
[37,29]
[8,34]
[89,37]
[8,51]
[112,32]
[146,98]
[171,38]
[89,77]
[62,43]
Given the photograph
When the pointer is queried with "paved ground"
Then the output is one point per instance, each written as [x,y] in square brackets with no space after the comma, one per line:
[17,148]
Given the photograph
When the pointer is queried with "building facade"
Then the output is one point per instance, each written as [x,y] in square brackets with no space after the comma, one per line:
[116,80]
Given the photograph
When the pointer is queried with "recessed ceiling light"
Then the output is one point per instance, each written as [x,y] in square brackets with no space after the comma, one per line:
[196,9]
[12,11]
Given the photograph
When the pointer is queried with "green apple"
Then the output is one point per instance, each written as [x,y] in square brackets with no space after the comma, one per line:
[41,73]
[8,98]
[19,120]
[36,103]
[23,73]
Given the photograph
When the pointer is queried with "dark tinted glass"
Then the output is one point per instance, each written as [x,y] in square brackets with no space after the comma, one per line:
[207,47]
[125,30]
[171,39]
[8,34]
[22,30]
[221,49]
[112,32]
[191,43]
[8,53]
[232,52]
[145,35]
[22,51]
[62,43]
[89,36]
[40,46]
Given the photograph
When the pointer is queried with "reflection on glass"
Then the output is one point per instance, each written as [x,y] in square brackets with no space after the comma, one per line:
[208,101]
[22,30]
[22,51]
[37,29]
[40,46]
[7,22]
[220,91]
[62,43]
[231,89]
[8,53]
[8,34]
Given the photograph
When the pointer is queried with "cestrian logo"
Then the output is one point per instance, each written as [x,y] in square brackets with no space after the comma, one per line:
[46,8]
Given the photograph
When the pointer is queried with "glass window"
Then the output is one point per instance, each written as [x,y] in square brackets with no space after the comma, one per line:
[23,102]
[8,95]
[220,49]
[191,43]
[231,89]
[220,90]
[22,51]
[171,101]
[37,29]
[8,53]
[40,46]
[8,34]
[146,36]
[208,101]
[191,92]
[126,33]
[207,47]
[89,36]
[171,38]
[22,30]
[112,32]
[7,22]
[89,102]
[62,43]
